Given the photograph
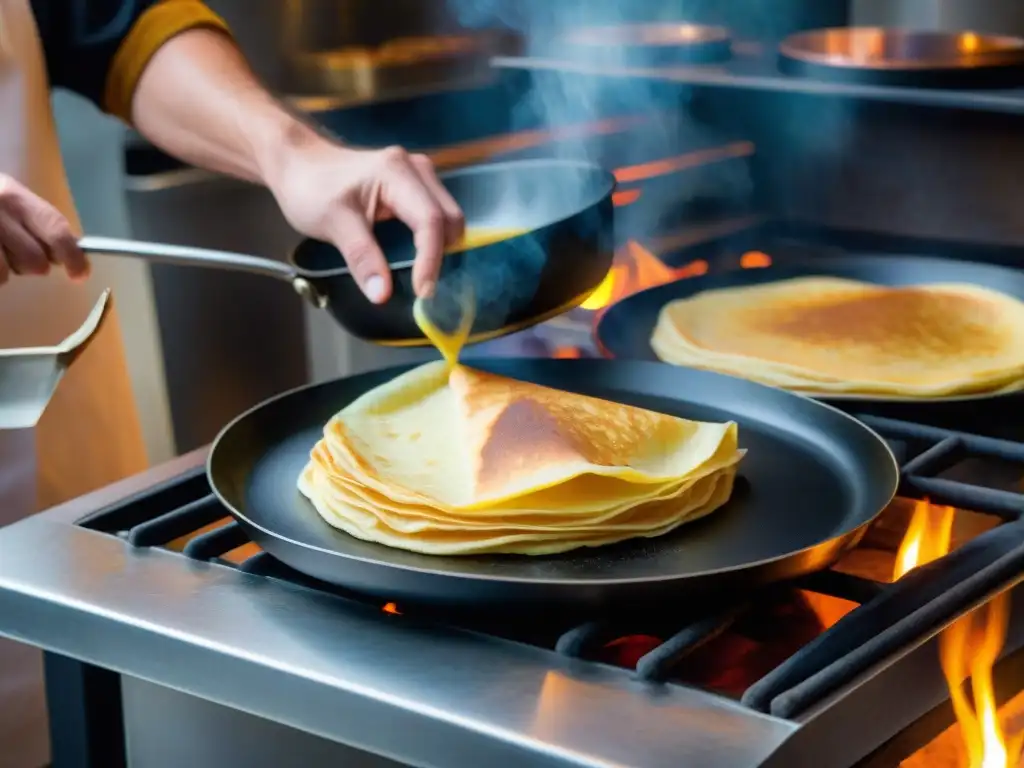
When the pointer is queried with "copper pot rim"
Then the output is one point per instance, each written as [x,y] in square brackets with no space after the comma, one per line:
[998,50]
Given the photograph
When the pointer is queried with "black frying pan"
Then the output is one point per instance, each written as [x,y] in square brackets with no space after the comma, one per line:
[624,332]
[565,207]
[812,480]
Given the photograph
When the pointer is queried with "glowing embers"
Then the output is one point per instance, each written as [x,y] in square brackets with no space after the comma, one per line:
[772,632]
[728,652]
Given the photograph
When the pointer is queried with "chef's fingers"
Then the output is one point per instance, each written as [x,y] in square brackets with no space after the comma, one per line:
[404,193]
[26,255]
[32,222]
[454,220]
[5,271]
[54,231]
[352,235]
[64,250]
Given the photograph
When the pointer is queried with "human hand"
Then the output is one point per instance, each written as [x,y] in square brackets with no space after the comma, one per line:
[34,235]
[334,193]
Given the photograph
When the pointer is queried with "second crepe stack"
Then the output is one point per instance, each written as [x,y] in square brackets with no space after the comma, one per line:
[828,335]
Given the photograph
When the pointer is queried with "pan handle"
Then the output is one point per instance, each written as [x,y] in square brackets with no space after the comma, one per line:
[187,256]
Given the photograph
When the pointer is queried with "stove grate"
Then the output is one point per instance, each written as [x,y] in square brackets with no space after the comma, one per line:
[923,600]
[657,664]
[887,616]
[176,523]
[919,475]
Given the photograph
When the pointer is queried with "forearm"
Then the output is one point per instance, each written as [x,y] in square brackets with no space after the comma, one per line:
[198,100]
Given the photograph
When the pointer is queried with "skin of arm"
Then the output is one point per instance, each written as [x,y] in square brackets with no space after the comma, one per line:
[171,69]
[198,100]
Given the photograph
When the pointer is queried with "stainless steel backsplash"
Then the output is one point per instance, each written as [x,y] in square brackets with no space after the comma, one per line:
[993,16]
[272,31]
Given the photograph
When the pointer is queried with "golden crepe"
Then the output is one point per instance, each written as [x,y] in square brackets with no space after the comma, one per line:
[826,335]
[455,461]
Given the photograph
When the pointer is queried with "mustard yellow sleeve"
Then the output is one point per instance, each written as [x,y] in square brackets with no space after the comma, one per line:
[154,27]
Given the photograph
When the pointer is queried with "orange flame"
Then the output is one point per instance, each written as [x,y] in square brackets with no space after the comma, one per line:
[755,260]
[391,608]
[625,197]
[567,353]
[928,537]
[636,268]
[970,647]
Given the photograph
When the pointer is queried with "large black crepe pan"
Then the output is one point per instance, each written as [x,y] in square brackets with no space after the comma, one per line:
[811,482]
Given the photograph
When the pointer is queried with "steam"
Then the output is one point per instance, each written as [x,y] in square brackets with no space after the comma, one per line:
[490,289]
[556,100]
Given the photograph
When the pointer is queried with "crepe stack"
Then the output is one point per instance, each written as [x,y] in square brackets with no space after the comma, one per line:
[456,461]
[824,335]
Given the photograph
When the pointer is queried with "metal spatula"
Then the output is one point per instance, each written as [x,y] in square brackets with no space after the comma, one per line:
[30,375]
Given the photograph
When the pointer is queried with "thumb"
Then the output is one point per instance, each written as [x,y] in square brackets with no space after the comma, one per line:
[351,234]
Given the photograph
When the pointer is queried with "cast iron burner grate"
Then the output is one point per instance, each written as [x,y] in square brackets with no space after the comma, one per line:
[887,617]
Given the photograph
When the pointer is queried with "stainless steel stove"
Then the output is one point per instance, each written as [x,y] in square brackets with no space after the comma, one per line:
[171,640]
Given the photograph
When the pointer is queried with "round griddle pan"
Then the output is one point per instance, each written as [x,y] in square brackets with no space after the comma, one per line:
[811,482]
[624,331]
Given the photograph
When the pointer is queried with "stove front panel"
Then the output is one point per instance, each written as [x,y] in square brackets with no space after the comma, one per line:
[391,685]
[168,729]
